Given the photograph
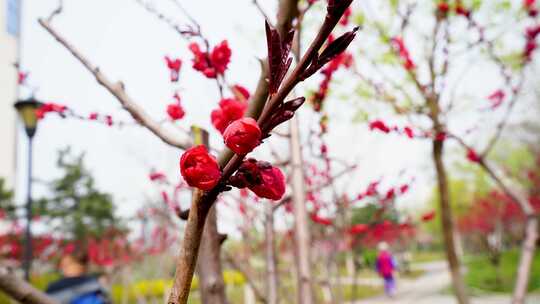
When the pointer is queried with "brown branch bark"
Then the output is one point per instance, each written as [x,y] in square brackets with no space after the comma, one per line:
[445,206]
[212,286]
[302,238]
[448,224]
[118,91]
[21,291]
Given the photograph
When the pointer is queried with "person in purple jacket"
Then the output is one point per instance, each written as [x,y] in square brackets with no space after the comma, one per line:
[386,266]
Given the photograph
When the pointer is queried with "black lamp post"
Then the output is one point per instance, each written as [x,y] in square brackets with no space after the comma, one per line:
[27,111]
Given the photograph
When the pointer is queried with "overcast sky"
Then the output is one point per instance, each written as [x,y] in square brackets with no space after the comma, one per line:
[128,44]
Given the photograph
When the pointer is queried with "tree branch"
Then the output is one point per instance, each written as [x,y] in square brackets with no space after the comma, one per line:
[118,91]
[21,291]
[247,274]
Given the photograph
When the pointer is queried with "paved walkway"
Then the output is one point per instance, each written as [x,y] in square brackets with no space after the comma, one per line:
[428,288]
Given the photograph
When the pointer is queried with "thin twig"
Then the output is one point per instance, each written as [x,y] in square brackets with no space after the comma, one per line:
[118,91]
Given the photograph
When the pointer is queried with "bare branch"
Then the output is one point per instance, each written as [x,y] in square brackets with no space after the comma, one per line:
[118,91]
[21,291]
[248,274]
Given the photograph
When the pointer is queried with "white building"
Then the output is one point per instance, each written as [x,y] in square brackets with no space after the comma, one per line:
[9,33]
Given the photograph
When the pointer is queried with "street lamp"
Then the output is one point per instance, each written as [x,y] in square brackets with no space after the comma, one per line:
[27,112]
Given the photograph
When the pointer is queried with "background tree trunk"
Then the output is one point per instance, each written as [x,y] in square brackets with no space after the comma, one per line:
[526,259]
[212,286]
[447,223]
[301,225]
[271,263]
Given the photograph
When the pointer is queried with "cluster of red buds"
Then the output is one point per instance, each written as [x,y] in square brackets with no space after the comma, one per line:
[242,134]
[64,111]
[531,45]
[373,192]
[50,107]
[403,52]
[214,63]
[443,7]
[407,131]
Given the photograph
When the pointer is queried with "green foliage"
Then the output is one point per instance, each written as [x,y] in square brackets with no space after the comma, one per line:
[367,214]
[483,275]
[6,199]
[76,207]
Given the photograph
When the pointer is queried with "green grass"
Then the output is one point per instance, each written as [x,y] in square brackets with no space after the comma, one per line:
[427,256]
[482,275]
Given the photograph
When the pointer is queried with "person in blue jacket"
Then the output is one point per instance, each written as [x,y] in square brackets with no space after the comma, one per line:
[77,286]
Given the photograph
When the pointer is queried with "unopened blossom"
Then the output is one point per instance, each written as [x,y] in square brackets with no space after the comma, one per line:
[93,116]
[229,110]
[496,98]
[272,185]
[220,57]
[379,125]
[243,135]
[199,169]
[358,229]
[409,132]
[157,176]
[473,156]
[174,66]
[175,111]
[320,220]
[428,216]
[50,108]
[241,92]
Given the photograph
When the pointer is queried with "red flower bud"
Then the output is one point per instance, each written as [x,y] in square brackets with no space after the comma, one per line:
[108,120]
[443,7]
[175,111]
[358,229]
[345,18]
[93,116]
[320,220]
[461,10]
[229,111]
[496,98]
[379,125]
[49,108]
[473,156]
[157,176]
[441,136]
[428,216]
[243,135]
[199,168]
[22,77]
[220,57]
[403,189]
[174,66]
[240,92]
[409,132]
[272,185]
